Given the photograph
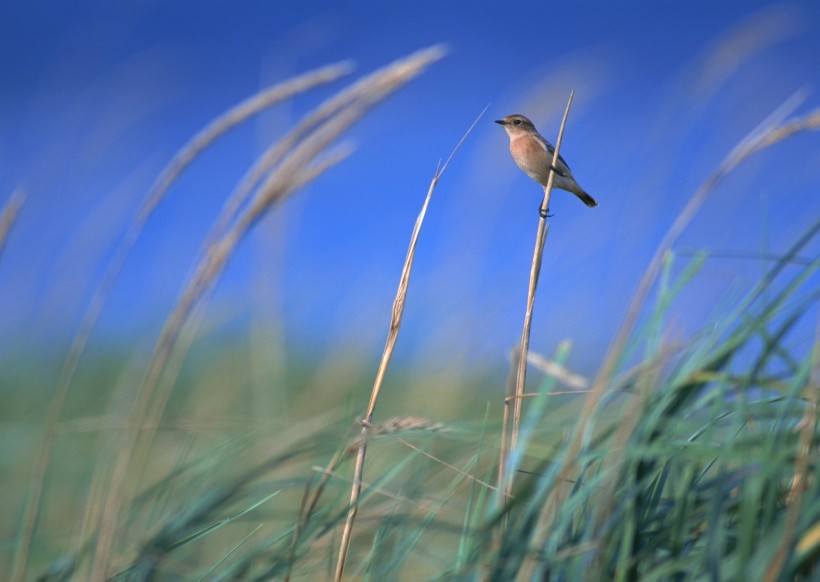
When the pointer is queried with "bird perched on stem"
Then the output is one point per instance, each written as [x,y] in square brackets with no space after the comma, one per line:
[536,156]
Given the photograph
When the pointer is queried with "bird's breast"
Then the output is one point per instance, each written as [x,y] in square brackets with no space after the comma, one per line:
[531,157]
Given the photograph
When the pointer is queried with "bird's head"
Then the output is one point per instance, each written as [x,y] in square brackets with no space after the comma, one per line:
[516,125]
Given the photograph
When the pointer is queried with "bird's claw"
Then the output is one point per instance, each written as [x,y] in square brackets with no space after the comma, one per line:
[544,213]
[557,171]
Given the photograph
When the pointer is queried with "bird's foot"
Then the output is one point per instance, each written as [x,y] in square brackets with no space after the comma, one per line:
[544,213]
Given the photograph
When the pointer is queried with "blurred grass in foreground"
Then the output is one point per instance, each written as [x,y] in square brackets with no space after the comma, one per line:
[701,463]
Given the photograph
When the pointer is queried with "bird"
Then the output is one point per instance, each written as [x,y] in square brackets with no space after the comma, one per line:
[536,156]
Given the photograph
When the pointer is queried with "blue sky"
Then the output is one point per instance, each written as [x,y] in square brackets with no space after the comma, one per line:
[96,97]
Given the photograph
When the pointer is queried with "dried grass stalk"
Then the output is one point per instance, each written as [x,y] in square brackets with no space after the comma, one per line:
[392,336]
[504,479]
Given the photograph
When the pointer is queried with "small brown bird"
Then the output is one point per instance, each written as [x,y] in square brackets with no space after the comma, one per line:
[535,155]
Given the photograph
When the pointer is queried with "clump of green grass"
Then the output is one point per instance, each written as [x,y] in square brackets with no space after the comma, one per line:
[697,473]
[700,463]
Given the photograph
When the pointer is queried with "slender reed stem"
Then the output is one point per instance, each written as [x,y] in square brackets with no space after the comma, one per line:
[392,335]
[505,480]
[802,467]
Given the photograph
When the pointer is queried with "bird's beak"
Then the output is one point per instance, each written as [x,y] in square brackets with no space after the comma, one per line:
[500,122]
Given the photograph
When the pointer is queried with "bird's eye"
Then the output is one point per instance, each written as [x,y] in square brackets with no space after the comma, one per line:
[517,122]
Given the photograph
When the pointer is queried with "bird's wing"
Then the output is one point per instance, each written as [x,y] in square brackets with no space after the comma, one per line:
[548,146]
[561,159]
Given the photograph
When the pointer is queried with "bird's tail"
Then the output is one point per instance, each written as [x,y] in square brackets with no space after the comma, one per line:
[586,198]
